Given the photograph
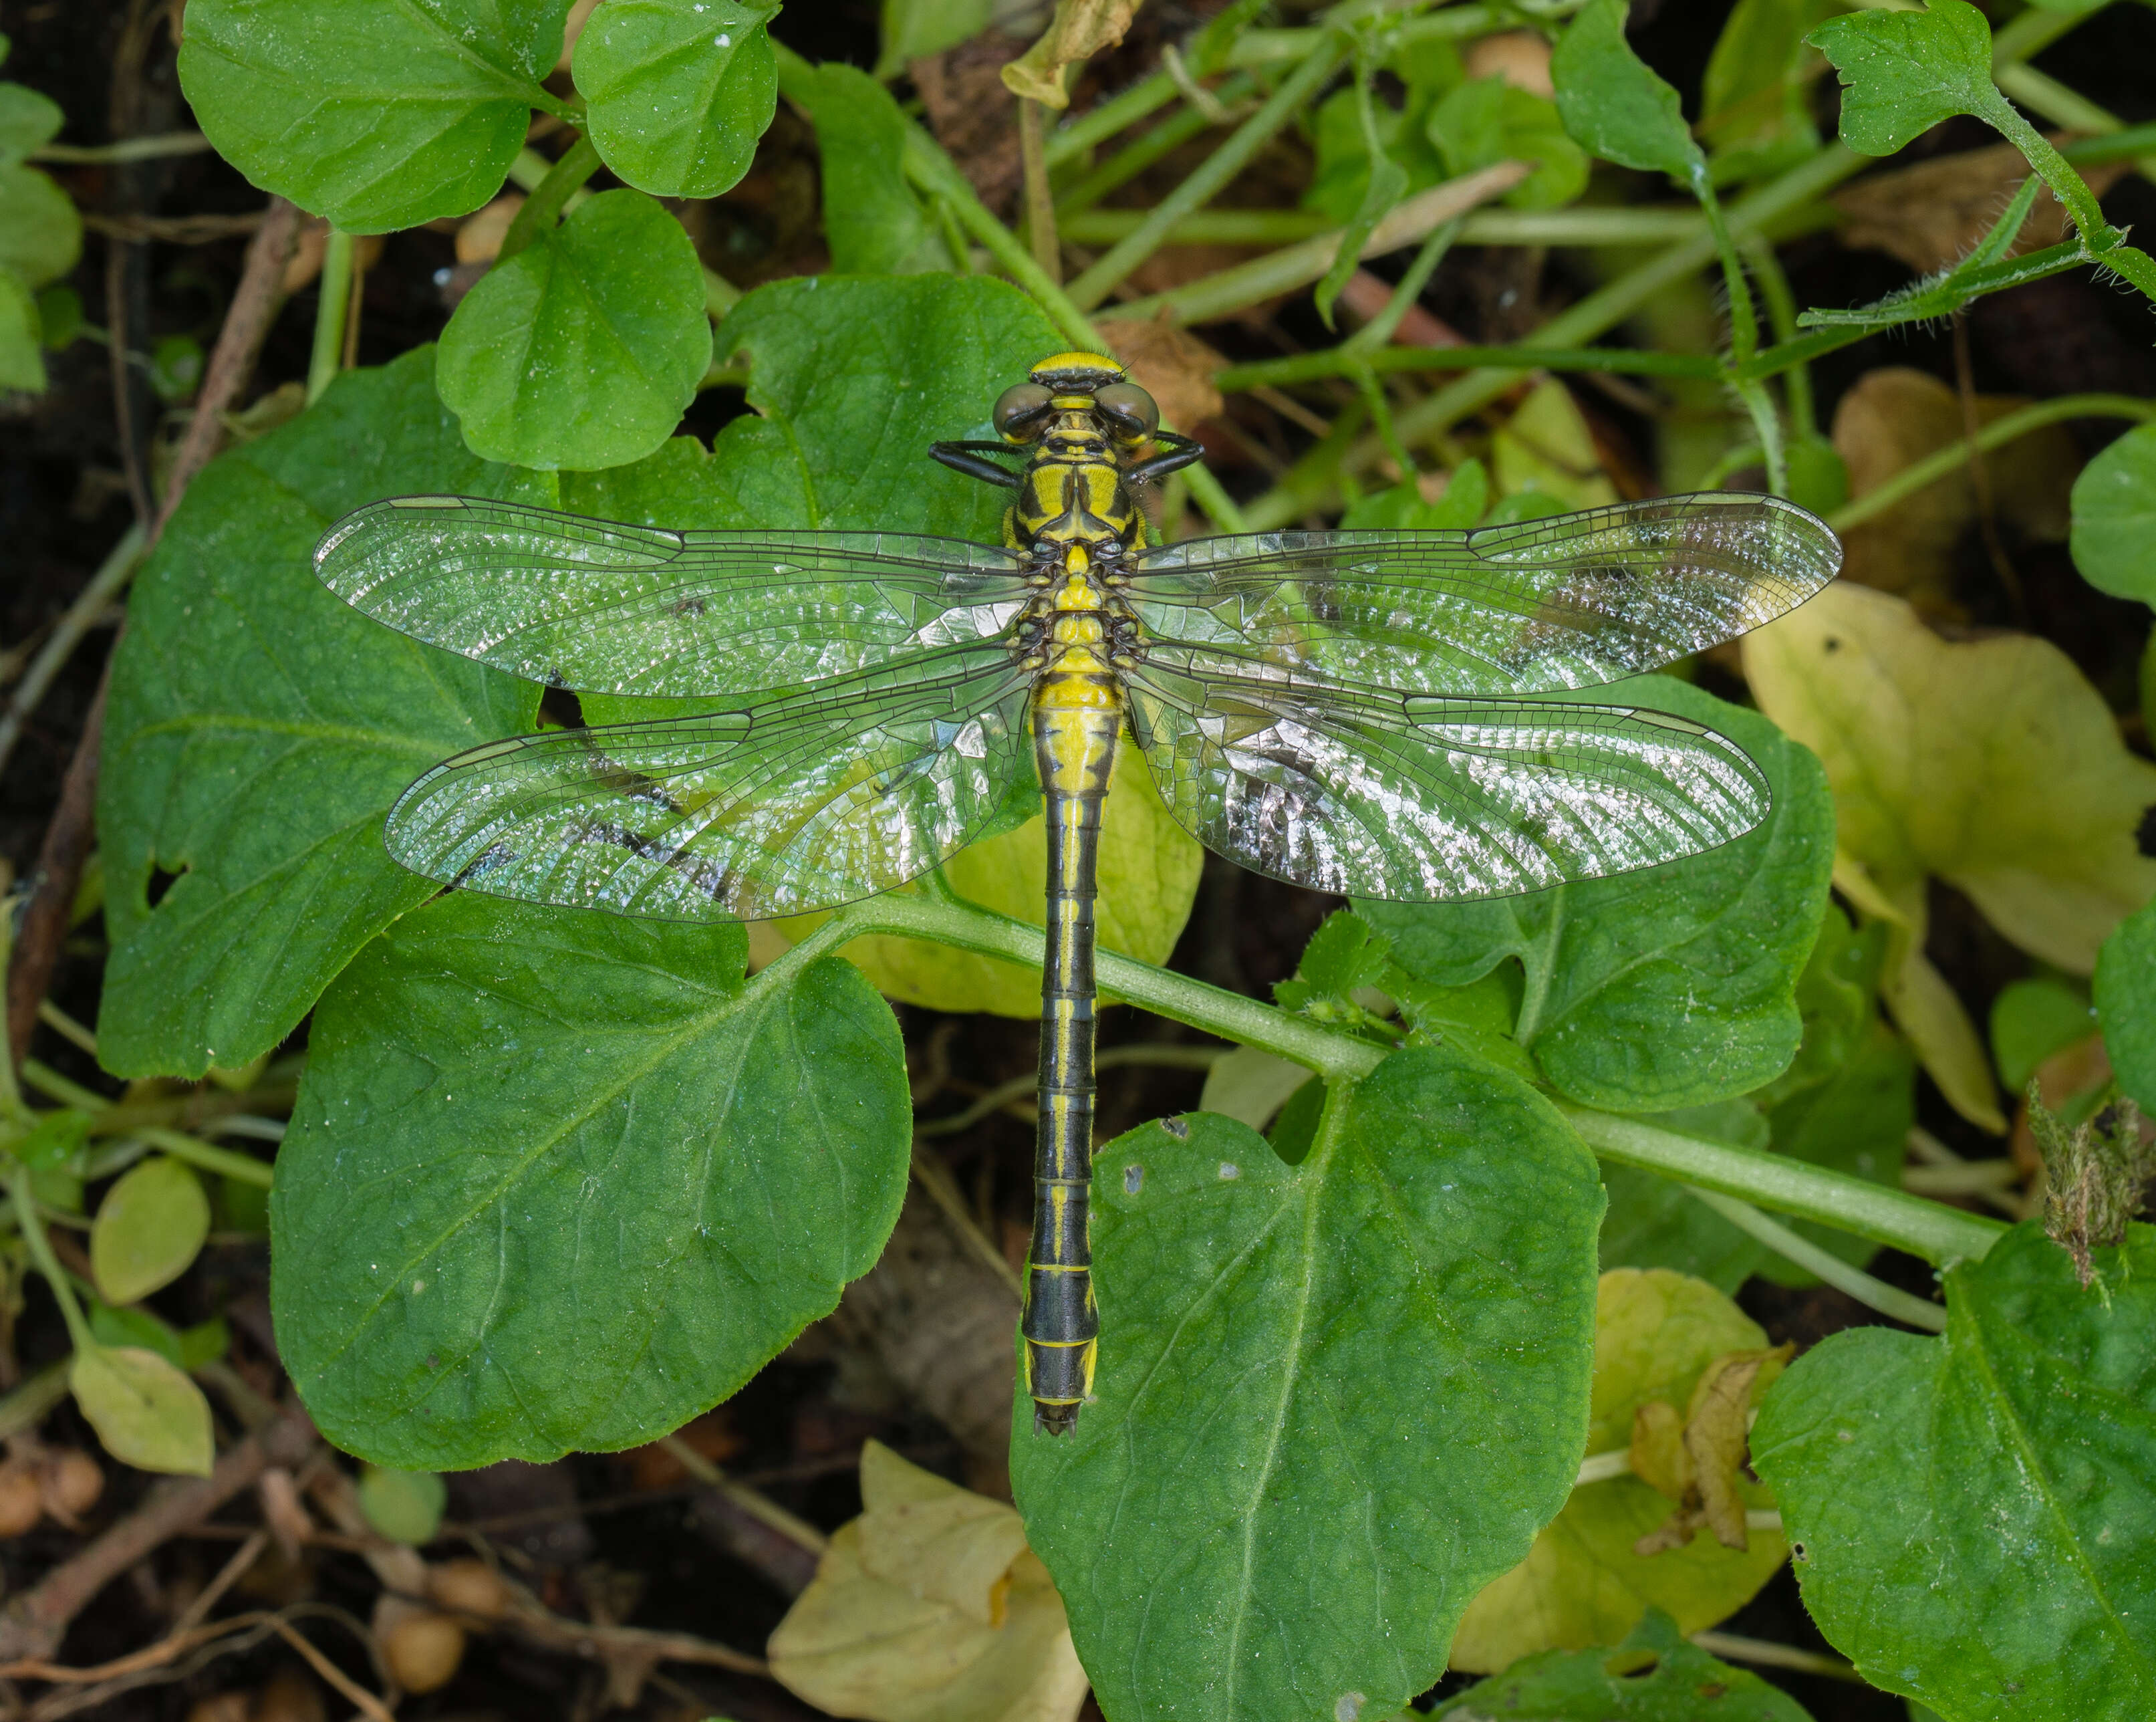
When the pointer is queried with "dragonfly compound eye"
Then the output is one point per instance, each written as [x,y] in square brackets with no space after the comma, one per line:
[1020,411]
[1129,408]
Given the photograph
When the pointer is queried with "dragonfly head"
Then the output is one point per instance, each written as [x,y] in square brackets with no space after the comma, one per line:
[1078,403]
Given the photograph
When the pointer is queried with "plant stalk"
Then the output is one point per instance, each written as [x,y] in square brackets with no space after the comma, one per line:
[1795,1248]
[329,310]
[47,1264]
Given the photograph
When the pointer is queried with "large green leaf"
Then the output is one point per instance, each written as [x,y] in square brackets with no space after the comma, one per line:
[1334,1399]
[1902,72]
[1654,1676]
[1615,103]
[583,349]
[559,1180]
[2114,515]
[378,116]
[2126,1003]
[1668,987]
[1972,1517]
[679,90]
[872,220]
[259,731]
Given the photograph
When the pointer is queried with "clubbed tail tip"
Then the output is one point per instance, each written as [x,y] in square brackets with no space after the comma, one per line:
[1055,1419]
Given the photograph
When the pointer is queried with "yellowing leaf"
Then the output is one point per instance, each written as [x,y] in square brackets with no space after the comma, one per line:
[929,1607]
[1991,764]
[1079,29]
[1657,1335]
[146,1412]
[1149,868]
[149,1228]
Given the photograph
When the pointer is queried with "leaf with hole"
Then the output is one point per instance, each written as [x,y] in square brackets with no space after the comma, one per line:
[149,1229]
[1442,1224]
[376,117]
[1972,1515]
[678,90]
[583,349]
[1654,1676]
[520,1124]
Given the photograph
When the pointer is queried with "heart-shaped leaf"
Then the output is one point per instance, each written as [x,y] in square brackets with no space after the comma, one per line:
[679,90]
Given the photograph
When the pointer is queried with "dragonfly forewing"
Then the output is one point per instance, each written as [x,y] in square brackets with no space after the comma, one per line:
[787,805]
[1572,602]
[604,608]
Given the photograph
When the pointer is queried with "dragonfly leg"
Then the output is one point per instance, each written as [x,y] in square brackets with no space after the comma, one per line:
[971,459]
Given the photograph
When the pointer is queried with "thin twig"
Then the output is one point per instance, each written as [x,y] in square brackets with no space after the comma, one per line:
[369,1704]
[230,1574]
[88,608]
[758,1506]
[1739,1649]
[934,1177]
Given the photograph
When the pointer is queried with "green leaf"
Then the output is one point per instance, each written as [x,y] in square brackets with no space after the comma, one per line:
[2126,1002]
[1342,180]
[1479,124]
[148,1413]
[56,1138]
[175,368]
[2114,516]
[21,336]
[1672,987]
[1385,183]
[679,90]
[1654,1676]
[258,730]
[149,1229]
[185,1349]
[376,116]
[2031,1020]
[875,224]
[1755,103]
[40,234]
[560,1181]
[1467,493]
[583,348]
[1972,1515]
[1656,1333]
[59,310]
[405,1506]
[1903,72]
[1615,104]
[1386,1348]
[27,120]
[1343,956]
[915,28]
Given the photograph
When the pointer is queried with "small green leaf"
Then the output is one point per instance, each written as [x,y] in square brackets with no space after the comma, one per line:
[1258,1322]
[2125,1001]
[148,1413]
[1755,104]
[1654,1676]
[1488,121]
[175,368]
[1655,1332]
[376,116]
[2114,516]
[1971,1516]
[260,729]
[22,338]
[59,309]
[27,120]
[873,221]
[583,349]
[186,1348]
[52,1141]
[2031,1020]
[1903,72]
[40,234]
[1615,104]
[559,1180]
[405,1506]
[679,90]
[1344,955]
[913,29]
[1670,987]
[149,1229]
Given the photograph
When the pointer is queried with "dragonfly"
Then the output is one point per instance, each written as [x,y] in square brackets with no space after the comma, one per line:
[1350,711]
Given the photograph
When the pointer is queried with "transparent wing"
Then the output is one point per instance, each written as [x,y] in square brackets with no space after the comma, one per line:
[799,803]
[629,609]
[1569,602]
[1418,800]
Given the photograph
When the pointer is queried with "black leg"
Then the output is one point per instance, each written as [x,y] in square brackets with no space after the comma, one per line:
[1181,452]
[969,458]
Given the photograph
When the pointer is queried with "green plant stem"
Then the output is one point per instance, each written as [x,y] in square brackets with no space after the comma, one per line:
[1215,503]
[225,1161]
[1793,1246]
[80,616]
[151,148]
[1039,202]
[2041,94]
[1943,463]
[1293,266]
[1134,157]
[1651,224]
[1932,1229]
[330,310]
[544,207]
[1296,92]
[47,1264]
[1928,1229]
[1342,361]
[1609,304]
[1782,318]
[27,1404]
[1374,335]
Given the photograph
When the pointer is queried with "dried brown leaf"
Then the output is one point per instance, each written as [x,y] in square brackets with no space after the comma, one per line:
[1079,29]
[1172,365]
